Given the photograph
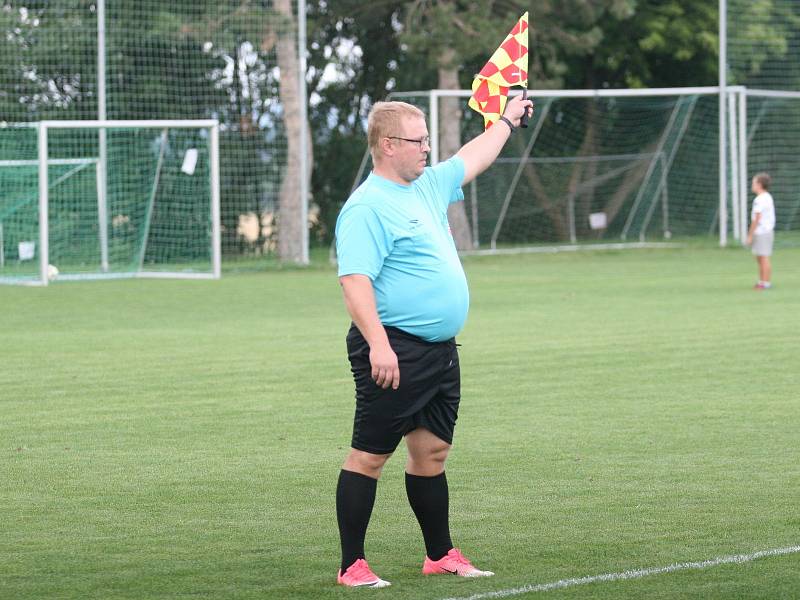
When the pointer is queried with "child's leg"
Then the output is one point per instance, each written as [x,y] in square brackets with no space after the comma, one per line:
[764,268]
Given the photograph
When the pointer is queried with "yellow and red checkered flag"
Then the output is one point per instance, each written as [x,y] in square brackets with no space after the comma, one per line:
[507,67]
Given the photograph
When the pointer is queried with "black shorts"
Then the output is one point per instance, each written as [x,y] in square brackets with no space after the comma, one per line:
[428,395]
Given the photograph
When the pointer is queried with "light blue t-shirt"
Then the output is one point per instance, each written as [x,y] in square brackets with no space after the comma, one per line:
[399,237]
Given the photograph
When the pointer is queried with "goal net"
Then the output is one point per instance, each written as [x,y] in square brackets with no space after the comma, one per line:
[771,143]
[762,52]
[162,60]
[109,199]
[592,167]
[621,166]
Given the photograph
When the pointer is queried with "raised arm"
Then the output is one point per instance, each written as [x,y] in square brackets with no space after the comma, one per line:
[479,153]
[359,297]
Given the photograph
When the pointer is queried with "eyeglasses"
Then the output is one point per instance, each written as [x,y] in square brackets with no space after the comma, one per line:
[426,141]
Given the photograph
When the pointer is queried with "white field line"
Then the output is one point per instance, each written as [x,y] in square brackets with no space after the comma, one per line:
[631,574]
[569,248]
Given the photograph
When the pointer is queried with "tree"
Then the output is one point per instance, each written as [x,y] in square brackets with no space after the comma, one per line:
[44,73]
[355,59]
[255,30]
[290,221]
[648,44]
[763,38]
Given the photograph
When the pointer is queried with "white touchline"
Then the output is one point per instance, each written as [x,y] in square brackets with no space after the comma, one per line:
[631,574]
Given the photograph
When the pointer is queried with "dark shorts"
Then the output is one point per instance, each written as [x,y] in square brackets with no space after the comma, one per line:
[428,395]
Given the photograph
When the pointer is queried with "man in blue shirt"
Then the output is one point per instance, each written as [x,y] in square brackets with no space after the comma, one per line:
[406,292]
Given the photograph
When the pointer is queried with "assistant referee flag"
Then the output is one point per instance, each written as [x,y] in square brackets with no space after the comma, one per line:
[507,67]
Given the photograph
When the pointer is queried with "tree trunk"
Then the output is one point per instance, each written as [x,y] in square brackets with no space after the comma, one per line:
[290,221]
[450,143]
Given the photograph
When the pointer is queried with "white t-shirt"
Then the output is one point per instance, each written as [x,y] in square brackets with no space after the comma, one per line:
[764,206]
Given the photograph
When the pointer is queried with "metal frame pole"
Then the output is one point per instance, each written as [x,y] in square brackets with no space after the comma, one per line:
[650,169]
[666,165]
[667,234]
[595,93]
[152,201]
[540,116]
[723,72]
[216,233]
[102,164]
[743,175]
[734,157]
[101,60]
[44,233]
[434,133]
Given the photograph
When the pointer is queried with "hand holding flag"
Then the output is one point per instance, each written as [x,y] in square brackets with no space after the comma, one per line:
[507,67]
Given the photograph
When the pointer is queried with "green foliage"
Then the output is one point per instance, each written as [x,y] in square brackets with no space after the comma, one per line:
[656,44]
[360,43]
[764,43]
[206,58]
[449,33]
[45,73]
[558,31]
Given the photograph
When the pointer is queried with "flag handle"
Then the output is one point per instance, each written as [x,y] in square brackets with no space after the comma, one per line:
[523,122]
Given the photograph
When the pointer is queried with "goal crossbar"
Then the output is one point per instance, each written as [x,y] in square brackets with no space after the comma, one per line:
[596,93]
[128,123]
[178,261]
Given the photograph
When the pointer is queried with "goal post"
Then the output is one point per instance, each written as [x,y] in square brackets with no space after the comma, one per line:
[625,167]
[593,167]
[109,199]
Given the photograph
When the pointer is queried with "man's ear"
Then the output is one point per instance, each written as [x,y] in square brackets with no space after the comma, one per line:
[386,147]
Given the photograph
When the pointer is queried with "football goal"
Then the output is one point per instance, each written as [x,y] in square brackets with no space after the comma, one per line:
[620,168]
[109,199]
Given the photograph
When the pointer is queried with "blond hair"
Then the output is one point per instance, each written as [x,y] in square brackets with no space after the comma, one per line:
[763,179]
[386,119]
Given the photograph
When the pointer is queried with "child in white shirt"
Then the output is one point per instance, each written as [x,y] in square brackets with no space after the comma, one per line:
[761,236]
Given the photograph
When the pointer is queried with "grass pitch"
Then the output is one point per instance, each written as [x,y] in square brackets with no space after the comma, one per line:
[621,410]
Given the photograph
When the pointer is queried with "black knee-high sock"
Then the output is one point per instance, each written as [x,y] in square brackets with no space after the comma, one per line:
[429,500]
[355,497]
